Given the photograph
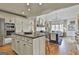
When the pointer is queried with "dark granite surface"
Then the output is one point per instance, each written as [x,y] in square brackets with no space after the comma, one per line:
[33,36]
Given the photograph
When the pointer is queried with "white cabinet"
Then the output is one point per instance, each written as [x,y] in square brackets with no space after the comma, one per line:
[39,46]
[27,49]
[10,20]
[28,46]
[22,25]
[16,43]
[13,43]
[42,45]
[27,25]
[18,25]
[1,40]
[2,31]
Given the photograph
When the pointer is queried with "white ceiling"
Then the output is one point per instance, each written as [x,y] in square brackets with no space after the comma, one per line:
[36,9]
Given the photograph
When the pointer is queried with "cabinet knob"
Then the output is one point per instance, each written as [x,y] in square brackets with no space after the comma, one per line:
[17,41]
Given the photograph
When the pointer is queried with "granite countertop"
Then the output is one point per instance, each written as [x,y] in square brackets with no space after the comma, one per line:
[33,36]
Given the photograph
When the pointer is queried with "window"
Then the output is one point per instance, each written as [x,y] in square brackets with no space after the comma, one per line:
[58,27]
[53,27]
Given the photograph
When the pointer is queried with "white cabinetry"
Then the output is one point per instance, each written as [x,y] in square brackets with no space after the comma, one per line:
[77,41]
[39,46]
[2,31]
[18,25]
[1,40]
[27,25]
[26,49]
[28,46]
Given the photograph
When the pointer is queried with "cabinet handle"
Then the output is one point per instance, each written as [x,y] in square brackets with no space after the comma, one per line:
[24,44]
[30,43]
[17,41]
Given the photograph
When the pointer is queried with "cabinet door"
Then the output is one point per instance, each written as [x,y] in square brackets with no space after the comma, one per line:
[27,26]
[13,44]
[26,49]
[29,50]
[42,45]
[18,43]
[17,46]
[39,46]
[36,46]
[18,25]
[1,40]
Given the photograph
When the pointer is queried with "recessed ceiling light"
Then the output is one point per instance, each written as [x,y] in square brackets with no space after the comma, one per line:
[23,12]
[28,9]
[40,3]
[28,4]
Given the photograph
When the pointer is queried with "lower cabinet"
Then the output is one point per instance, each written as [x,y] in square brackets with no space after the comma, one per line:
[18,49]
[16,44]
[1,40]
[13,44]
[42,46]
[28,46]
[26,49]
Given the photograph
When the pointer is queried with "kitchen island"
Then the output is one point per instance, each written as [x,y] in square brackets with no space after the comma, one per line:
[28,44]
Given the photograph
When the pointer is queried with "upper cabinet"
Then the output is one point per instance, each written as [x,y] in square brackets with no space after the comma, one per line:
[40,22]
[18,25]
[27,25]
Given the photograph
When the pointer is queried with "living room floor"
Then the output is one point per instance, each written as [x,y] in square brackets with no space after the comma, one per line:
[67,47]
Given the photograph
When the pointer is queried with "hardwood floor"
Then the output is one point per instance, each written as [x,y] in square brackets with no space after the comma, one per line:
[7,48]
[66,48]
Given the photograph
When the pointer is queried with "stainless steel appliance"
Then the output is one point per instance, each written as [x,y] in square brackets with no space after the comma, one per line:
[9,28]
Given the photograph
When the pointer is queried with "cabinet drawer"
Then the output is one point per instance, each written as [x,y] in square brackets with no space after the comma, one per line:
[28,40]
[26,43]
[30,44]
[27,50]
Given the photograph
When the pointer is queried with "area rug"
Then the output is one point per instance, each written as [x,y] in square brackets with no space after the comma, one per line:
[60,41]
[3,53]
